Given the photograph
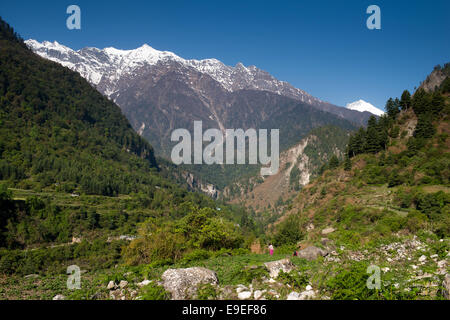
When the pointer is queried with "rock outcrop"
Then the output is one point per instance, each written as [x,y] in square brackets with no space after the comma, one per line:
[275,267]
[183,283]
[312,253]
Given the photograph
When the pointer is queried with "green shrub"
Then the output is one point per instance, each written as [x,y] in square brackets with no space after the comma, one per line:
[350,283]
[196,255]
[207,292]
[289,231]
[393,221]
[295,279]
[440,248]
[153,291]
[247,274]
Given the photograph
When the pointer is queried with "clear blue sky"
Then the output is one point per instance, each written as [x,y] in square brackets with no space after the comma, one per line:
[322,47]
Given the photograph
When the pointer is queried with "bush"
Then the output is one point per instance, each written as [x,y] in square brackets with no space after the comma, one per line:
[289,231]
[395,179]
[248,274]
[350,283]
[295,279]
[153,291]
[432,203]
[206,292]
[196,255]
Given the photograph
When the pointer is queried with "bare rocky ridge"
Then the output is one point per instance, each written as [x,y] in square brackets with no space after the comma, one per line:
[435,78]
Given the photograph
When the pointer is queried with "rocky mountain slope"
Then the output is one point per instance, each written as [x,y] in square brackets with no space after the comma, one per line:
[298,166]
[436,78]
[159,91]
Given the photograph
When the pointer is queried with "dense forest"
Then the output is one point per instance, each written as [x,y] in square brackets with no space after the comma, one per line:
[57,131]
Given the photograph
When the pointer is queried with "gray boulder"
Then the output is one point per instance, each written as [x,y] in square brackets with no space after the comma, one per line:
[183,283]
[275,267]
[312,253]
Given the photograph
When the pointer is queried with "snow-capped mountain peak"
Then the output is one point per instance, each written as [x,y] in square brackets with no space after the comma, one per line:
[104,68]
[114,71]
[362,106]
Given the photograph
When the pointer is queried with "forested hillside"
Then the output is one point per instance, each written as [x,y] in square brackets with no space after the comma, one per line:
[76,182]
[390,191]
[403,156]
[57,131]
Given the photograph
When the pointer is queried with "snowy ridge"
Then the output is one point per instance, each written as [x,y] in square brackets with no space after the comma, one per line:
[110,64]
[362,106]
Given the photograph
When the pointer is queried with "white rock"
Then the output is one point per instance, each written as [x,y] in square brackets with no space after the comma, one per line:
[386,269]
[183,283]
[308,287]
[422,258]
[111,285]
[240,289]
[244,295]
[293,296]
[257,294]
[308,294]
[274,267]
[59,297]
[144,283]
[123,284]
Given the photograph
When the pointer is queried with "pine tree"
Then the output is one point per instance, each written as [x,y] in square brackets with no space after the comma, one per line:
[372,141]
[424,127]
[420,101]
[334,162]
[405,100]
[437,103]
[392,107]
[347,164]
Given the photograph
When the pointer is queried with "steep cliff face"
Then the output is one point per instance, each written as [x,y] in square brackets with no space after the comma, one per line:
[436,78]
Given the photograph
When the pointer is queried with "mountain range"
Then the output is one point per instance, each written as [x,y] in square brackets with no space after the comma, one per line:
[159,92]
[144,72]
